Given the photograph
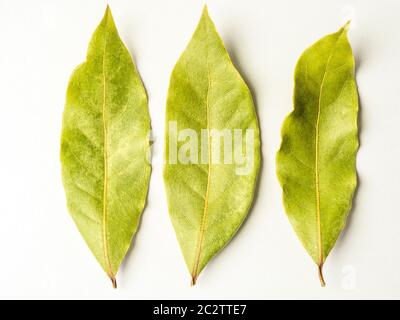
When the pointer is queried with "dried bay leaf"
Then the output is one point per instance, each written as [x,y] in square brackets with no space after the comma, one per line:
[316,164]
[104,147]
[208,200]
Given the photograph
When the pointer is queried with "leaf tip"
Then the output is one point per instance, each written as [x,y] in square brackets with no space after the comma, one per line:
[108,13]
[321,276]
[108,19]
[205,9]
[205,12]
[347,25]
[108,9]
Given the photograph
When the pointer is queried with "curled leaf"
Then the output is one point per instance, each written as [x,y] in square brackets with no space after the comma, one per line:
[104,147]
[316,164]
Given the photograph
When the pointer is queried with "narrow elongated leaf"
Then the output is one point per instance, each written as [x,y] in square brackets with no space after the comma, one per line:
[104,147]
[208,197]
[316,161]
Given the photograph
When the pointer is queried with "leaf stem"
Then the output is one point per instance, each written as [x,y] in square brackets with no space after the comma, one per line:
[114,282]
[194,280]
[321,275]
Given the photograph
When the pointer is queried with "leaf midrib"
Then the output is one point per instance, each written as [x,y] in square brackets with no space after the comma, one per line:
[105,159]
[317,180]
[206,198]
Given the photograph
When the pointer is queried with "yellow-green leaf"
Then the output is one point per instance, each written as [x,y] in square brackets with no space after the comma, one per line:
[104,147]
[208,200]
[316,163]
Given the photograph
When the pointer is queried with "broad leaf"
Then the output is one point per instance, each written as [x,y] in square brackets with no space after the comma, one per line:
[209,199]
[104,147]
[316,163]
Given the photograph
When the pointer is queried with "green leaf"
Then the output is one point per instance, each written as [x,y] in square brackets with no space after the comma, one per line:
[208,200]
[316,163]
[104,147]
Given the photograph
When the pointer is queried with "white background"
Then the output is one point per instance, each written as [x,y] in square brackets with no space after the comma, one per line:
[41,252]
